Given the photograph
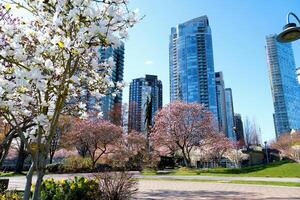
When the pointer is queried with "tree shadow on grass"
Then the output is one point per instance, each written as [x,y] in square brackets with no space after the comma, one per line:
[205,195]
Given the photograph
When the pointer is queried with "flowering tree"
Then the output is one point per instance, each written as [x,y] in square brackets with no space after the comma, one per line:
[252,132]
[289,145]
[216,146]
[48,62]
[98,137]
[181,127]
[235,156]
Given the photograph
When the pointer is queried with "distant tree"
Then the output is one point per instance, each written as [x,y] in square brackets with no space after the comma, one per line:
[252,132]
[289,145]
[131,153]
[181,127]
[236,156]
[98,137]
[217,145]
[115,115]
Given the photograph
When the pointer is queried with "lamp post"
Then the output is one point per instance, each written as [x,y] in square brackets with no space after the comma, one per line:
[266,152]
[291,32]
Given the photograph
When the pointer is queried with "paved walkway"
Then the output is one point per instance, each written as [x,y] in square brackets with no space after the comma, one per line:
[179,190]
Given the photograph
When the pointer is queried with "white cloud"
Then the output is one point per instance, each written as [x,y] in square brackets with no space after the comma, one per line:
[148,62]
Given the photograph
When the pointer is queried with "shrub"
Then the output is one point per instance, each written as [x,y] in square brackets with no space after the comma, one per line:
[106,186]
[77,189]
[116,186]
[77,164]
[55,168]
[11,195]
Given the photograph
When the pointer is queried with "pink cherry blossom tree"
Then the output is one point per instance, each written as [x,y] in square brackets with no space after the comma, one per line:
[289,145]
[181,127]
[216,146]
[98,137]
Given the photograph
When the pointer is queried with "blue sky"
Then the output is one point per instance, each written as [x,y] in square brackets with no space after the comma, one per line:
[238,30]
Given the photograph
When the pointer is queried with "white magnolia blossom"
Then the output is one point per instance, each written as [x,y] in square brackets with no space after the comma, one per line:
[49,62]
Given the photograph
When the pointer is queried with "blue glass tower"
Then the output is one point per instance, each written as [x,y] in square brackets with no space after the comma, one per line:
[229,114]
[191,64]
[284,85]
[141,90]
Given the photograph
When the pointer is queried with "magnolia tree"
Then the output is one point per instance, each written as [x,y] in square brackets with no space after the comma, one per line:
[47,62]
[181,127]
[215,147]
[289,145]
[131,153]
[98,137]
[236,156]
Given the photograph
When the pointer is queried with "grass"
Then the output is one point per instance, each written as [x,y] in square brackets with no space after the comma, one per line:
[272,183]
[278,169]
[10,174]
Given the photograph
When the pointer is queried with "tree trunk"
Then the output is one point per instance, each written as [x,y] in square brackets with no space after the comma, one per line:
[28,182]
[37,189]
[187,161]
[21,158]
[4,147]
[51,158]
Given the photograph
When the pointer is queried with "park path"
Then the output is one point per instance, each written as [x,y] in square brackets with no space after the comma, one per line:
[179,190]
[185,190]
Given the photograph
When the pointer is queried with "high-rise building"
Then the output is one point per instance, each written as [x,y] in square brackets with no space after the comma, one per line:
[298,74]
[284,86]
[221,102]
[229,114]
[239,129]
[141,90]
[111,105]
[191,64]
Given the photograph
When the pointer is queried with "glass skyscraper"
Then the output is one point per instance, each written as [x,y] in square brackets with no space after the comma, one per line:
[110,101]
[229,114]
[191,64]
[222,116]
[141,90]
[284,85]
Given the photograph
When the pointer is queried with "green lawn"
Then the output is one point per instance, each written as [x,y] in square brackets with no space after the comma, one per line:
[279,169]
[10,174]
[273,183]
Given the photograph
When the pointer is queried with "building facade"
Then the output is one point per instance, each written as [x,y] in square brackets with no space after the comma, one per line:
[298,74]
[141,91]
[284,85]
[191,64]
[229,114]
[221,102]
[111,105]
[239,129]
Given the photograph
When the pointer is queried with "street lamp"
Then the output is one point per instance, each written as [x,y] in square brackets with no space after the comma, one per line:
[291,32]
[266,152]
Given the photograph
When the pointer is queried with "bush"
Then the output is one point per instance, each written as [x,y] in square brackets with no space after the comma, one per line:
[11,195]
[116,186]
[77,164]
[106,186]
[77,189]
[55,168]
